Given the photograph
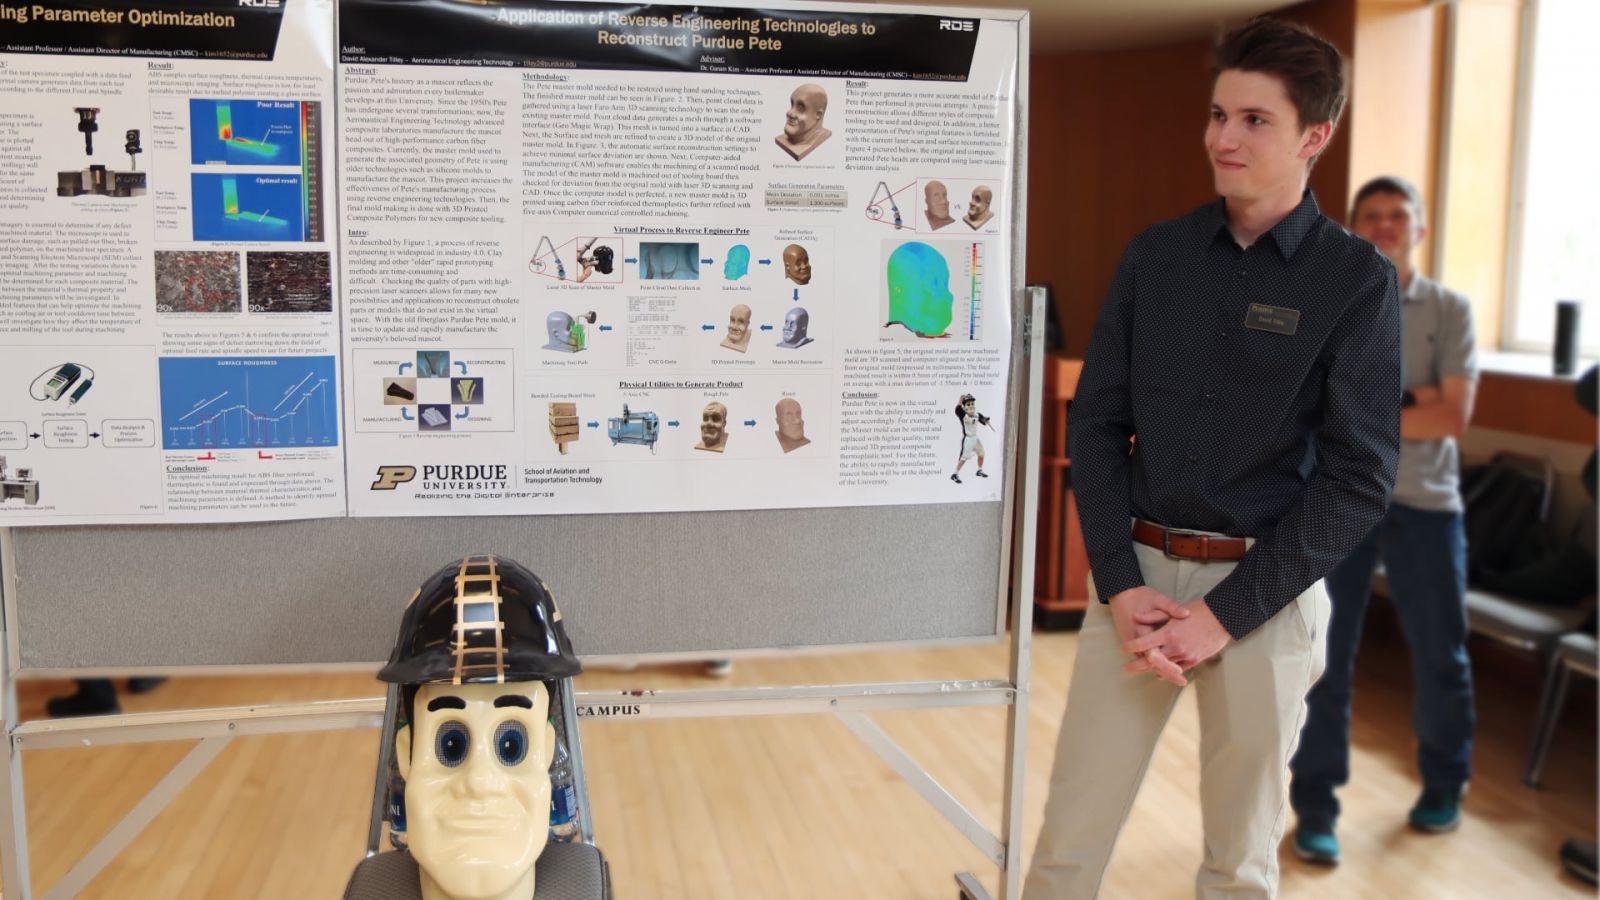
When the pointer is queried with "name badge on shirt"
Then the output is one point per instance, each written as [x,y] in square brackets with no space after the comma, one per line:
[1275,319]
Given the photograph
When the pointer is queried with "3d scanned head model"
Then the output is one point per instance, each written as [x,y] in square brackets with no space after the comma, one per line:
[936,205]
[919,290]
[797,264]
[567,333]
[794,328]
[479,641]
[978,212]
[791,426]
[737,263]
[802,124]
[713,428]
[738,337]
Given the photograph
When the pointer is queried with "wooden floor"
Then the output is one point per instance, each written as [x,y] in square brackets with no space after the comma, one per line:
[795,807]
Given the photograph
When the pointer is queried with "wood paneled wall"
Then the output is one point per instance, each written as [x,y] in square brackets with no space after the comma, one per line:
[1116,144]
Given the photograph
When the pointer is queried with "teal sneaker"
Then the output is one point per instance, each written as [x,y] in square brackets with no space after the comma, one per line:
[1315,845]
[1436,812]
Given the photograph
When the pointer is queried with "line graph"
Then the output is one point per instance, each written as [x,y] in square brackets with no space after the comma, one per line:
[248,401]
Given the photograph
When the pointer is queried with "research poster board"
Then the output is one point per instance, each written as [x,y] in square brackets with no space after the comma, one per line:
[169,317]
[505,258]
[625,258]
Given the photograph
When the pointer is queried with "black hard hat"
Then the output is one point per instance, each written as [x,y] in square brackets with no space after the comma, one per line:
[482,619]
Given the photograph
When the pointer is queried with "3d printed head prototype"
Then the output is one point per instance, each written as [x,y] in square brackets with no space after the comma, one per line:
[738,337]
[797,264]
[791,425]
[936,205]
[803,131]
[713,428]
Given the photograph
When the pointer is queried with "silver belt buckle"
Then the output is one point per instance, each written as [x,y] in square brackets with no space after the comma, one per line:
[1205,545]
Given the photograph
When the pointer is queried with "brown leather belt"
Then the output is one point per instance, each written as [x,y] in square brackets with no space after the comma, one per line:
[1187,545]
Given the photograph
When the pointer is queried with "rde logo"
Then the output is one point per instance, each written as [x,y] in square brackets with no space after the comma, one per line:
[950,24]
[262,4]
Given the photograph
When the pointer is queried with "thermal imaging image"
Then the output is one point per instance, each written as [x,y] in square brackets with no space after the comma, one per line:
[918,280]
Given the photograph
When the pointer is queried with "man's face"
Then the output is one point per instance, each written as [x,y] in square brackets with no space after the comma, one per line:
[713,421]
[1255,140]
[738,323]
[790,424]
[797,264]
[1391,223]
[979,205]
[806,106]
[794,325]
[478,783]
[971,406]
[936,199]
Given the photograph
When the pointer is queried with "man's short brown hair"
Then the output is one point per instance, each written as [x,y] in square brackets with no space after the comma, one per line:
[1312,70]
[1391,184]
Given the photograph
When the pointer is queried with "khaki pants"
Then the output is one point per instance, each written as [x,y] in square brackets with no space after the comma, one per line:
[1252,705]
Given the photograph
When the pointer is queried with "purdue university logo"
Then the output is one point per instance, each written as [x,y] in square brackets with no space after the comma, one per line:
[391,476]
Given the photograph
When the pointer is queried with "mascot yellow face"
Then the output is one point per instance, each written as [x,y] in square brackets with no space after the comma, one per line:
[476,762]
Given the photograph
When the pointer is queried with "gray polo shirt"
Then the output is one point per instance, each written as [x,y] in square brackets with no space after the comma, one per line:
[1437,331]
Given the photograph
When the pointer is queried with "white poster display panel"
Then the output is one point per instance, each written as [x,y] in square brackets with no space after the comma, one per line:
[169,344]
[624,258]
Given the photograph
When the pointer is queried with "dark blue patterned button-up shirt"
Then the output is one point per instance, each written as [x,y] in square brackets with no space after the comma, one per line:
[1291,439]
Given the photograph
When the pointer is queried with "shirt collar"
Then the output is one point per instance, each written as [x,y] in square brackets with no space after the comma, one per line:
[1287,235]
[1413,291]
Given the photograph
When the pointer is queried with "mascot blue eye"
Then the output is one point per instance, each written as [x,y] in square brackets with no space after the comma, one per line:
[451,744]
[511,743]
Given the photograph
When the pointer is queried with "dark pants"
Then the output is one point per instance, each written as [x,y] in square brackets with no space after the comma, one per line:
[1425,556]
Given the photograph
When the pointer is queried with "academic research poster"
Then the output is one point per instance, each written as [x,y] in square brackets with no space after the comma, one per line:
[629,258]
[169,317]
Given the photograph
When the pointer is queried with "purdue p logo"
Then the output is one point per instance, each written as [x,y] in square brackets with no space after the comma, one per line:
[389,476]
